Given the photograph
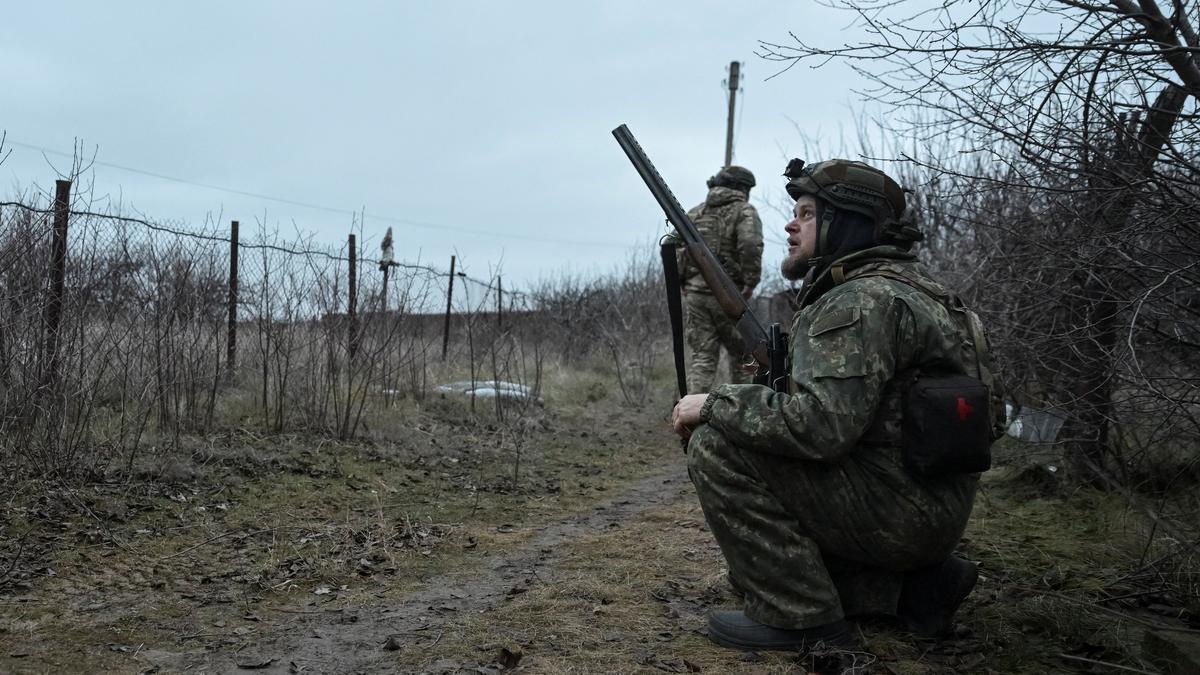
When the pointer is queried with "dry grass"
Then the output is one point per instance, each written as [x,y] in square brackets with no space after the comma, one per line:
[261,524]
[258,527]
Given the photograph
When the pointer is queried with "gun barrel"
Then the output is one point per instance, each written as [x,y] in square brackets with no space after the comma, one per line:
[726,292]
[658,187]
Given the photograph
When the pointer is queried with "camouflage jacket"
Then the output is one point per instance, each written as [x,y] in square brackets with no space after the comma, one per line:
[854,346]
[733,232]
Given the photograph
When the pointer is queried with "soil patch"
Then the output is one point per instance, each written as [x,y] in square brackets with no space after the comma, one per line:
[363,638]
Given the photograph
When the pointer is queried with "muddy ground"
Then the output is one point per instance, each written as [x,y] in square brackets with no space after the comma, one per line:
[450,541]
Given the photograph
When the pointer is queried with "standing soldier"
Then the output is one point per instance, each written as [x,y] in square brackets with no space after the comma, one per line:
[733,232]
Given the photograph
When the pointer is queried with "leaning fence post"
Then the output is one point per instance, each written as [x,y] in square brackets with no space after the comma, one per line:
[449,299]
[231,339]
[352,308]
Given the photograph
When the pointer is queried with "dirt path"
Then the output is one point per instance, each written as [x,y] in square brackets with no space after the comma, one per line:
[362,639]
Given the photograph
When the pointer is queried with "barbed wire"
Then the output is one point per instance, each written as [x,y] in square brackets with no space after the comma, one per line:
[300,252]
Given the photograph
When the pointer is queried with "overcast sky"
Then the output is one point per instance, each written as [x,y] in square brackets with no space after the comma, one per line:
[476,128]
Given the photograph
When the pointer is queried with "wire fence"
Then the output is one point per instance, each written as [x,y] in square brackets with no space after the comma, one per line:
[116,331]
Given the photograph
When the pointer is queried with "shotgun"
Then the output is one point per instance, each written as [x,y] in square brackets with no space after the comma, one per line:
[769,348]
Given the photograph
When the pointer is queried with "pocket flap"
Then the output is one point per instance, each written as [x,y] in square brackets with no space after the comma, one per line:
[839,318]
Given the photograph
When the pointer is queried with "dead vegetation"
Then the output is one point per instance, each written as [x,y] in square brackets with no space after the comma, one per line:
[210,555]
[421,542]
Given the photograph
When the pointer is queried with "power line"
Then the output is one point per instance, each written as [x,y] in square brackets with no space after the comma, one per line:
[321,207]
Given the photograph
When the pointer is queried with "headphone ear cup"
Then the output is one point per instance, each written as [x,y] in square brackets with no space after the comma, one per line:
[904,229]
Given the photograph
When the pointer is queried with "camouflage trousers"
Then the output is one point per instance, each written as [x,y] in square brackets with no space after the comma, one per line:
[708,331]
[808,543]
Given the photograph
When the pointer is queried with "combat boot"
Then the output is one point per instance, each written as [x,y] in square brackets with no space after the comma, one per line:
[732,628]
[932,595]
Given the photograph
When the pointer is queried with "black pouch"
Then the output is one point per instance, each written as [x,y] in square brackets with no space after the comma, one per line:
[947,426]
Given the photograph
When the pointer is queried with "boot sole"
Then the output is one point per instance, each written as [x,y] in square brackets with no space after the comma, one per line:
[841,643]
[820,645]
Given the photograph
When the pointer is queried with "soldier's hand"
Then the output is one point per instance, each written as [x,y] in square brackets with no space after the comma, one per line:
[686,415]
[747,291]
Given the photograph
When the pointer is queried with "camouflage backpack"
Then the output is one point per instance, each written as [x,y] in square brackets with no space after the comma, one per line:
[714,225]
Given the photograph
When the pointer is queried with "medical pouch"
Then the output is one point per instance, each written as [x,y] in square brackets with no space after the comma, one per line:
[947,426]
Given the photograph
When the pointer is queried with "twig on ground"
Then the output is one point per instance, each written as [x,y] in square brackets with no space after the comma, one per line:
[79,504]
[1105,664]
[16,557]
[200,635]
[216,538]
[1107,610]
[306,611]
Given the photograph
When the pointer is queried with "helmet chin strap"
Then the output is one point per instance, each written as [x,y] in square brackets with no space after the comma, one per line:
[824,225]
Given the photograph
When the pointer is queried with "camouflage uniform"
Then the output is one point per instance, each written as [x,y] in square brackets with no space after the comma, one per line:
[806,492]
[733,232]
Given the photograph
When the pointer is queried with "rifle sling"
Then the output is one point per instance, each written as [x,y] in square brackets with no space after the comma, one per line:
[675,310]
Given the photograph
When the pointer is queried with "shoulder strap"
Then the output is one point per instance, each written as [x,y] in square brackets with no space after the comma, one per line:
[918,284]
[952,303]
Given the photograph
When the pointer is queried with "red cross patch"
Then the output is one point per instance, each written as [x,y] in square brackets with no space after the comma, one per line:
[964,409]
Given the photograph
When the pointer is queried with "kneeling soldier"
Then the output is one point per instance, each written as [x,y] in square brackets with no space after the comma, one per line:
[847,495]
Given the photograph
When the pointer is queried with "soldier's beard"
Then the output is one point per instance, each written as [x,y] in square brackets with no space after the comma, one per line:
[794,267]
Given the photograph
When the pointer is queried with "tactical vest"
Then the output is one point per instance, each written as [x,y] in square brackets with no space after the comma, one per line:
[975,361]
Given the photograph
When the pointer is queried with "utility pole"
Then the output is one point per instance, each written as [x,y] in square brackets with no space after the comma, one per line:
[734,71]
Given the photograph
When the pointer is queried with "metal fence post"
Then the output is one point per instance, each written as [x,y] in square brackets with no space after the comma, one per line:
[231,339]
[449,299]
[352,308]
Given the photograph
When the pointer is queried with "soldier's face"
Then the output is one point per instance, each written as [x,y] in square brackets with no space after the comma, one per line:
[801,238]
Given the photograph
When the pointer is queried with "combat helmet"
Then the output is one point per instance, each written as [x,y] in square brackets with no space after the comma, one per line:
[856,187]
[738,177]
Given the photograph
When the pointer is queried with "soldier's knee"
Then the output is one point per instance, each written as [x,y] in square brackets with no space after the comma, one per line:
[704,455]
[697,450]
